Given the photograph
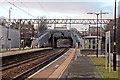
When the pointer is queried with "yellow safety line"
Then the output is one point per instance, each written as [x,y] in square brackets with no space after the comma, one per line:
[62,67]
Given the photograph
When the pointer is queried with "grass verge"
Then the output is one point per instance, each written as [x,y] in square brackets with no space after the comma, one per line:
[100,65]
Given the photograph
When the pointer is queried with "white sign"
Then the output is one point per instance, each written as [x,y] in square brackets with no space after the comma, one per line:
[107,50]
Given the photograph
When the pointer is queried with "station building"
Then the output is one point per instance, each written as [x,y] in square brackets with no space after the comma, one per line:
[89,40]
[89,44]
[6,39]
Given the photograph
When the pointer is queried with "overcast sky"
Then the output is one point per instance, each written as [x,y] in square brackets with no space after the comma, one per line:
[56,8]
[76,9]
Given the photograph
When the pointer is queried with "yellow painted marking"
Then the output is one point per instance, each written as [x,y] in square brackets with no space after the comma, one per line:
[60,69]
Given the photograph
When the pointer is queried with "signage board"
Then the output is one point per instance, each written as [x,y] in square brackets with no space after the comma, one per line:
[108,50]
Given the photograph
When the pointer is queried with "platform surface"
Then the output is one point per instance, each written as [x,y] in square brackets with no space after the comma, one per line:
[55,68]
[72,65]
[21,51]
[81,67]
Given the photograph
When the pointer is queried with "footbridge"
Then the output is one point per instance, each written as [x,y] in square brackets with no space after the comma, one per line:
[52,36]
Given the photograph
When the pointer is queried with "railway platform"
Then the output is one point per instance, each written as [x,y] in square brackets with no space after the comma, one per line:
[55,68]
[10,53]
[80,68]
[68,66]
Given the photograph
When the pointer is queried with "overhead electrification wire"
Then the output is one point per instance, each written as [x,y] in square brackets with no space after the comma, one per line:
[21,9]
[7,10]
[27,7]
[43,7]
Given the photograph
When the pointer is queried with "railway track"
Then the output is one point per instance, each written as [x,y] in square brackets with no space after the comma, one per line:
[8,60]
[23,69]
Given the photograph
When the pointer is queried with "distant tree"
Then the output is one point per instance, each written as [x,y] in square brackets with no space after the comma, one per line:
[1,20]
[109,27]
[2,17]
[42,26]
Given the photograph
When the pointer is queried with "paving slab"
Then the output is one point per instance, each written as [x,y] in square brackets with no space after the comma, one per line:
[82,67]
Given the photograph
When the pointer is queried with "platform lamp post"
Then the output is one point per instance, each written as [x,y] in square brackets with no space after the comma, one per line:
[114,51]
[84,37]
[19,36]
[9,38]
[89,30]
[70,23]
[1,38]
[97,14]
[84,34]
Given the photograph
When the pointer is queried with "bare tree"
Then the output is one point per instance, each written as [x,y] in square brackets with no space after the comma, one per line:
[42,26]
[1,20]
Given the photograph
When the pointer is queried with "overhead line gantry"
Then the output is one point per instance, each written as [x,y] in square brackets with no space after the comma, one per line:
[57,21]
